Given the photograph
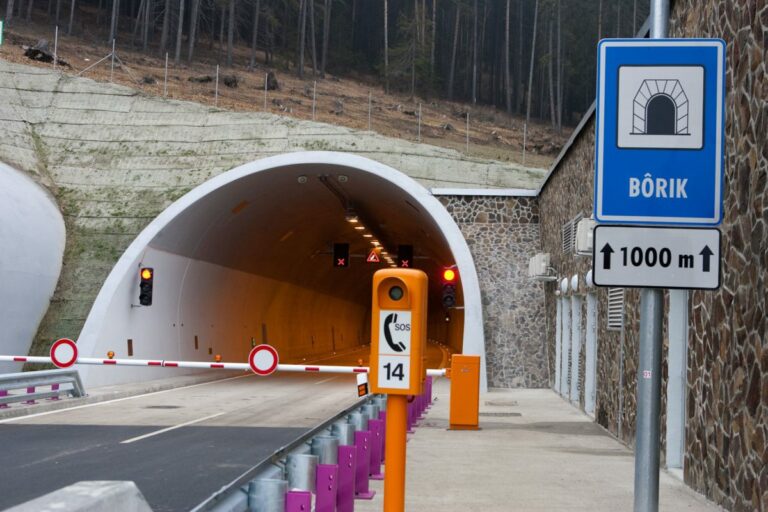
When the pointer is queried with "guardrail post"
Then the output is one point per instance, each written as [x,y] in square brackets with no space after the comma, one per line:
[327,486]
[363,445]
[298,501]
[377,435]
[30,390]
[267,495]
[345,499]
[2,394]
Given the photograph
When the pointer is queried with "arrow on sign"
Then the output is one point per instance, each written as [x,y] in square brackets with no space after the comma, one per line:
[607,250]
[706,254]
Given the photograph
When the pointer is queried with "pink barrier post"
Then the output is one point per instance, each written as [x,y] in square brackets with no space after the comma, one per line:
[363,445]
[420,407]
[54,387]
[345,499]
[298,501]
[377,434]
[3,393]
[30,389]
[327,487]
[429,391]
[410,417]
[383,418]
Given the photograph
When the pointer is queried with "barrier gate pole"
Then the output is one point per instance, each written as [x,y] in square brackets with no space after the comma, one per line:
[394,453]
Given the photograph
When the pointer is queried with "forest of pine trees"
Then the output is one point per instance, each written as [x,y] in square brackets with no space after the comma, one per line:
[535,58]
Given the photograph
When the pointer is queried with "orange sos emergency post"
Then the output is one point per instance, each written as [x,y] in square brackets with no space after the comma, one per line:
[398,344]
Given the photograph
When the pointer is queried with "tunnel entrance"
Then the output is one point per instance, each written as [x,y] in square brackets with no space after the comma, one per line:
[248,258]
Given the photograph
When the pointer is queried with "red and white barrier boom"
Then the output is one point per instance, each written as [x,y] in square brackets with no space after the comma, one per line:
[263,360]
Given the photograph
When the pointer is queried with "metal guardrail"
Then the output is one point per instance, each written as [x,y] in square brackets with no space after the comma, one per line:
[234,496]
[30,381]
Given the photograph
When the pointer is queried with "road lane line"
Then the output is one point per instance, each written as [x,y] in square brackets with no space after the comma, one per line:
[105,402]
[168,429]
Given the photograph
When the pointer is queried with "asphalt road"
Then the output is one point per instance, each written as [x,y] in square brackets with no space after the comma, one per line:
[179,446]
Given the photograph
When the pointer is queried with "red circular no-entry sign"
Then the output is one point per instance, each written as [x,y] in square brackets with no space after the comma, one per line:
[64,353]
[263,359]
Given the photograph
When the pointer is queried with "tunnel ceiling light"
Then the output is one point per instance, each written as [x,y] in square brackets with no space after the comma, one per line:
[385,253]
[360,228]
[368,235]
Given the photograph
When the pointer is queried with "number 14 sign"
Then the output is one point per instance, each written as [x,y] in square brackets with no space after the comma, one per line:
[395,350]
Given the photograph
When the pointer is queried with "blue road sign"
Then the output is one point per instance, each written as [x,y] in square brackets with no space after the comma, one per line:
[659,133]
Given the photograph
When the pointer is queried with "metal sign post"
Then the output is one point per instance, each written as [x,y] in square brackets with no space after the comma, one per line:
[647,437]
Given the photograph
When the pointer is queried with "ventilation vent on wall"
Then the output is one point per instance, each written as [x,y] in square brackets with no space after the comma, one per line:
[569,234]
[615,309]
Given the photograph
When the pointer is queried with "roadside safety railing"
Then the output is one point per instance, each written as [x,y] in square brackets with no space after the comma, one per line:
[30,382]
[332,462]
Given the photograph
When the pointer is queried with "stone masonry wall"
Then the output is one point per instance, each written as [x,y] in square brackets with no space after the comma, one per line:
[503,234]
[726,452]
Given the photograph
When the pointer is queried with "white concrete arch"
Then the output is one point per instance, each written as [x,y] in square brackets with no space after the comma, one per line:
[113,305]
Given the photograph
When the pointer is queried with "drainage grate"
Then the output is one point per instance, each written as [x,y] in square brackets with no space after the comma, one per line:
[163,407]
[500,414]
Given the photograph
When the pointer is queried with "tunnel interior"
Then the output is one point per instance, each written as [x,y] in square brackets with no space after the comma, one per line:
[252,262]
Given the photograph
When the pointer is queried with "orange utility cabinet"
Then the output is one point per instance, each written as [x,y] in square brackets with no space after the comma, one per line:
[398,331]
[465,392]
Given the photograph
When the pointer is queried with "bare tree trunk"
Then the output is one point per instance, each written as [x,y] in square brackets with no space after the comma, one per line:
[179,33]
[599,20]
[312,36]
[193,21]
[618,19]
[533,58]
[223,20]
[231,32]
[71,17]
[634,18]
[559,71]
[354,19]
[434,30]
[386,48]
[453,52]
[166,27]
[326,35]
[255,37]
[519,71]
[29,10]
[136,22]
[9,12]
[58,11]
[474,54]
[414,43]
[302,35]
[147,18]
[552,78]
[507,81]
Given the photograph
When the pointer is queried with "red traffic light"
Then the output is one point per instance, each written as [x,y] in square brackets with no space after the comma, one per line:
[449,275]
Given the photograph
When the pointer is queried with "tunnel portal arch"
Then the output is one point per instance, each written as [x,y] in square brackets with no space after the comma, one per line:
[113,313]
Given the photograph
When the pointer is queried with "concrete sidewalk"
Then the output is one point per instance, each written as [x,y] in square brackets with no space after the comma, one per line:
[534,452]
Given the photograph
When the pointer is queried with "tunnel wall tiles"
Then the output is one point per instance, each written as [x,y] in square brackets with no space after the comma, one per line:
[502,234]
[726,438]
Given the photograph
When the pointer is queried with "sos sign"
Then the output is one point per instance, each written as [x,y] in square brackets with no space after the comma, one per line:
[398,331]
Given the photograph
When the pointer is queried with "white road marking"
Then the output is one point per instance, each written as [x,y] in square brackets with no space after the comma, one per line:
[28,416]
[168,429]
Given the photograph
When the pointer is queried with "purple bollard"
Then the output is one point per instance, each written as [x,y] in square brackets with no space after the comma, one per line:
[30,389]
[411,417]
[383,418]
[345,499]
[429,391]
[3,393]
[298,501]
[54,387]
[327,487]
[363,445]
[377,436]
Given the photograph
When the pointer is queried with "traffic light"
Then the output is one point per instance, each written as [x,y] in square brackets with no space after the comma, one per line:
[405,256]
[449,288]
[147,275]
[340,255]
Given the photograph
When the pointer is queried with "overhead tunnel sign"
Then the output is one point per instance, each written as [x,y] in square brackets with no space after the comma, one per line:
[659,132]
